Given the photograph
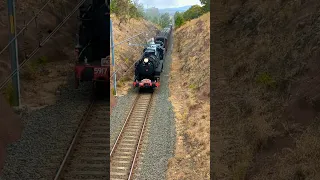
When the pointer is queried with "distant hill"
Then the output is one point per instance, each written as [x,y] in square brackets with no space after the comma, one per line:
[171,11]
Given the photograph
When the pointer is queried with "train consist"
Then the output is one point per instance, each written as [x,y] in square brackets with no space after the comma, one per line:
[93,46]
[149,67]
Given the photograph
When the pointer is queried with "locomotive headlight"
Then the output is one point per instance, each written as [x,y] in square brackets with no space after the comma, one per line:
[146,60]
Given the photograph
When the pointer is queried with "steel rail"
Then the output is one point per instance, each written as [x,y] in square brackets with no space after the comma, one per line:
[140,138]
[75,138]
[124,125]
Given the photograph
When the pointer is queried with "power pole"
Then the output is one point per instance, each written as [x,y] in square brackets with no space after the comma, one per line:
[14,52]
[113,62]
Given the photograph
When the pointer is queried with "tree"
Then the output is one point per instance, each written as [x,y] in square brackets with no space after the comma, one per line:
[206,5]
[178,19]
[193,12]
[164,20]
[126,9]
[140,8]
[152,12]
[155,19]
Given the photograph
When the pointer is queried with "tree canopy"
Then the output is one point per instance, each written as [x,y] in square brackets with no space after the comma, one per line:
[178,19]
[164,20]
[193,12]
[206,5]
[126,9]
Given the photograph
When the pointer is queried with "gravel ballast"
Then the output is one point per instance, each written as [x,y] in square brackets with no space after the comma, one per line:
[46,136]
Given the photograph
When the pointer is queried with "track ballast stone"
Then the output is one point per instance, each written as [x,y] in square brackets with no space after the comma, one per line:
[46,136]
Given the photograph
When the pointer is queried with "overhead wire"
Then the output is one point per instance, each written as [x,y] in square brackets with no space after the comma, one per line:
[131,37]
[25,26]
[42,43]
[28,57]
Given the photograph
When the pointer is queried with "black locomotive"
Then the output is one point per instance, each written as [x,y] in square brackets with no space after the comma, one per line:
[149,67]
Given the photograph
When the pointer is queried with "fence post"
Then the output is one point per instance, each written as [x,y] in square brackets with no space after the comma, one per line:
[113,61]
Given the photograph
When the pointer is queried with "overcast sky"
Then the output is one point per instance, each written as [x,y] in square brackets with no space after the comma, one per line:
[168,3]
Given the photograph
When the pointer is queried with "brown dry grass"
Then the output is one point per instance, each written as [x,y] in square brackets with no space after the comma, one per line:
[265,101]
[189,94]
[39,81]
[126,55]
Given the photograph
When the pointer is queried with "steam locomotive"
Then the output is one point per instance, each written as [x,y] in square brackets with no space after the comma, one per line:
[149,67]
[93,43]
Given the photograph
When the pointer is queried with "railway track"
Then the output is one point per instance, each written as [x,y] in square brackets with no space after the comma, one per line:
[125,150]
[87,156]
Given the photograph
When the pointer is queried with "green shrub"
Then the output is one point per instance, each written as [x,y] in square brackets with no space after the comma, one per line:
[192,86]
[43,60]
[266,80]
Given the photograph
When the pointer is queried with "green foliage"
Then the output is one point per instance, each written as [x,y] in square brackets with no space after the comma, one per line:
[193,12]
[155,20]
[164,20]
[266,80]
[113,7]
[31,69]
[43,60]
[152,15]
[178,19]
[192,86]
[140,9]
[126,9]
[206,5]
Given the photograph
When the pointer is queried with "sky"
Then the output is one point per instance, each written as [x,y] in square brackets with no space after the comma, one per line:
[168,3]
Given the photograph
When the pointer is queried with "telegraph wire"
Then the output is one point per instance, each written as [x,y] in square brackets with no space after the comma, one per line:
[25,26]
[28,57]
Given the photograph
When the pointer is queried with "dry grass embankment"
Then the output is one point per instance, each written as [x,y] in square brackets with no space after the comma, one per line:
[126,55]
[190,96]
[47,70]
[266,96]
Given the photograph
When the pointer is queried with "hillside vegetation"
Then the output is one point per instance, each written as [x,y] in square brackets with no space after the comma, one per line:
[189,94]
[46,71]
[266,99]
[193,12]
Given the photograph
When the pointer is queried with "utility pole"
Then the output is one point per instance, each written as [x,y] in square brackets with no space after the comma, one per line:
[113,62]
[14,52]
